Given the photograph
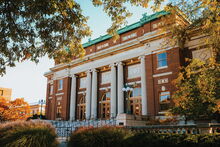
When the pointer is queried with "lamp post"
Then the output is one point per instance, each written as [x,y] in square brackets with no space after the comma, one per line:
[41,102]
[128,89]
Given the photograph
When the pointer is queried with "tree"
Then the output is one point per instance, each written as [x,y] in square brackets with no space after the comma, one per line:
[198,90]
[203,17]
[30,29]
[14,110]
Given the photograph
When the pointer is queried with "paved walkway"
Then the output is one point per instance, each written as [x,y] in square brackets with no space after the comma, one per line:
[62,141]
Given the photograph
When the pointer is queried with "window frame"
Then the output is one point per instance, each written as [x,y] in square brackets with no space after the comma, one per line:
[161,60]
[59,111]
[51,90]
[60,84]
[164,103]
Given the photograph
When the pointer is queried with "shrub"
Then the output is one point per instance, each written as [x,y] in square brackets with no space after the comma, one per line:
[209,140]
[119,137]
[27,134]
[172,140]
[149,140]
[98,137]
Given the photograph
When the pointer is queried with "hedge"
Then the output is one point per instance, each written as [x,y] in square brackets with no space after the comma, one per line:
[28,134]
[98,137]
[119,137]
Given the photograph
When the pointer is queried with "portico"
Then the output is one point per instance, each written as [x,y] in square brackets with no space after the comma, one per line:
[115,84]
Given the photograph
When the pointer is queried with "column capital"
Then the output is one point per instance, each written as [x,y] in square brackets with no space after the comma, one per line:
[141,57]
[88,71]
[112,65]
[94,70]
[119,63]
[73,75]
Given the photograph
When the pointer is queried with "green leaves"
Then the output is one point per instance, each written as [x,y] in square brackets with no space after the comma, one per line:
[32,29]
[198,90]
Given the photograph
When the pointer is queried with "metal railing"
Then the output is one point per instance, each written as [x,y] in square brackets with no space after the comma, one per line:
[65,128]
[207,128]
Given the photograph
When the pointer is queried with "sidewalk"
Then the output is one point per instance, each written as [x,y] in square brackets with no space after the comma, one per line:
[62,141]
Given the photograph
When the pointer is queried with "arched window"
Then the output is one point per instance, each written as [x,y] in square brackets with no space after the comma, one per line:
[106,96]
[105,105]
[81,107]
[82,100]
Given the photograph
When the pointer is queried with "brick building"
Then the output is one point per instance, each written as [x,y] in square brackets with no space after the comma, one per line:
[5,93]
[125,79]
[36,108]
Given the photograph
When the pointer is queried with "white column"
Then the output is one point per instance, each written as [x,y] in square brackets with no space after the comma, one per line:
[94,94]
[73,99]
[143,86]
[120,86]
[88,94]
[113,90]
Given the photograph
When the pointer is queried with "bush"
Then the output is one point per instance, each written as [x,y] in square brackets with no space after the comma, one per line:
[150,140]
[98,137]
[27,134]
[119,137]
[172,140]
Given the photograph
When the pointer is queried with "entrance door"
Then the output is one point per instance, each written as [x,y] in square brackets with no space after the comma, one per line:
[135,105]
[135,101]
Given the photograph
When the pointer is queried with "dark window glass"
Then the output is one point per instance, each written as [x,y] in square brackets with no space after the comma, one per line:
[164,101]
[162,59]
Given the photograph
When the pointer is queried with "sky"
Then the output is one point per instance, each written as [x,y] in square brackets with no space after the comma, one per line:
[27,78]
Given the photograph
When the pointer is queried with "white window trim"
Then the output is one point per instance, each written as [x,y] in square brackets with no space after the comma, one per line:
[59,94]
[59,85]
[163,112]
[162,74]
[162,67]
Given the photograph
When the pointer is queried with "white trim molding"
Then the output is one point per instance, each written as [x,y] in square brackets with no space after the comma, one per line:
[162,74]
[57,94]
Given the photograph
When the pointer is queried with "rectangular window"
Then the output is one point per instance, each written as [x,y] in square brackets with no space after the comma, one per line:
[162,60]
[136,92]
[51,89]
[60,84]
[164,101]
[59,111]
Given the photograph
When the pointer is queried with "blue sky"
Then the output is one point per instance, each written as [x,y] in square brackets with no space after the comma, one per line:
[27,80]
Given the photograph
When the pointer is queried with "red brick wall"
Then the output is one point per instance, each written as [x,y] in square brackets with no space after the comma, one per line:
[47,108]
[51,107]
[174,61]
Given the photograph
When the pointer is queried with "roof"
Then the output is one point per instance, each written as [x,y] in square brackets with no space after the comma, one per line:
[145,19]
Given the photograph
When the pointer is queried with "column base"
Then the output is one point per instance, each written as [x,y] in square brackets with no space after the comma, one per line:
[130,120]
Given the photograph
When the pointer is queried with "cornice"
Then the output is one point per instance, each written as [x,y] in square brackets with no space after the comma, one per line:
[111,50]
[145,19]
